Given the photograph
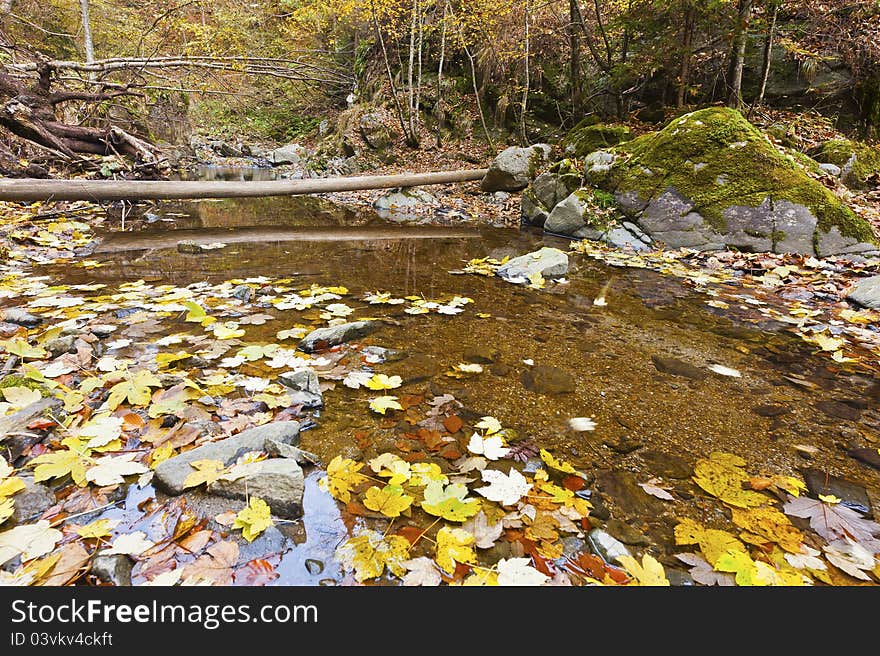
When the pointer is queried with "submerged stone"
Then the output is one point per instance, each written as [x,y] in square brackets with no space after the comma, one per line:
[171,474]
[866,292]
[852,494]
[545,379]
[678,368]
[549,262]
[334,335]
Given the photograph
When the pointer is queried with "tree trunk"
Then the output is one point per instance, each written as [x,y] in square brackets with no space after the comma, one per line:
[524,137]
[107,190]
[768,51]
[574,42]
[686,41]
[743,16]
[440,110]
[87,30]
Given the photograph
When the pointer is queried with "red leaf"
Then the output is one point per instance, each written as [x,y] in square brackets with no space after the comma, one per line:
[415,456]
[411,533]
[255,572]
[453,423]
[40,424]
[573,483]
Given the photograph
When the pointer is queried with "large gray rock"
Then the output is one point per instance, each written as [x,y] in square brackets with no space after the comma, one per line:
[171,474]
[403,199]
[834,243]
[546,191]
[31,502]
[671,219]
[866,292]
[288,154]
[305,387]
[277,481]
[374,131]
[513,168]
[333,335]
[793,227]
[571,217]
[710,180]
[549,262]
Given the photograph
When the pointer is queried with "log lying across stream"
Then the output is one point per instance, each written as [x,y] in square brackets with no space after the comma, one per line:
[32,189]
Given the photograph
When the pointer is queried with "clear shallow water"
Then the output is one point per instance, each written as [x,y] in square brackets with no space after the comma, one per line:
[607,354]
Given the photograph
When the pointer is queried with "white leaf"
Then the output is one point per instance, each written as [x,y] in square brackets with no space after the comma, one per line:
[118,344]
[421,571]
[653,488]
[130,544]
[491,447]
[164,579]
[485,534]
[356,379]
[851,557]
[808,558]
[581,424]
[102,429]
[517,571]
[28,541]
[725,371]
[489,424]
[110,470]
[505,489]
[57,368]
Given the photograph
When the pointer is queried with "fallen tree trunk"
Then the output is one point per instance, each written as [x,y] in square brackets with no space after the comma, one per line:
[30,189]
[30,114]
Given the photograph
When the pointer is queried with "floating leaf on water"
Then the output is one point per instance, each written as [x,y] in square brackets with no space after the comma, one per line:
[725,371]
[382,403]
[519,572]
[253,519]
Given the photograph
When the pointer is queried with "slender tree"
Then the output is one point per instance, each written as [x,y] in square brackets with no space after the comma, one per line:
[738,53]
[768,50]
[87,30]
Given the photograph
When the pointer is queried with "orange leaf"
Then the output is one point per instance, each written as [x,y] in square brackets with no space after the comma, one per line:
[363,439]
[40,424]
[760,483]
[256,572]
[409,400]
[450,452]
[453,423]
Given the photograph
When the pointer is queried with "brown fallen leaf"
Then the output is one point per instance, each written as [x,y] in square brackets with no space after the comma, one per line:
[215,566]
[71,562]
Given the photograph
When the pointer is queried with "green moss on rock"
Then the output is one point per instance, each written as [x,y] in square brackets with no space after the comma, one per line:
[717,159]
[857,161]
[586,137]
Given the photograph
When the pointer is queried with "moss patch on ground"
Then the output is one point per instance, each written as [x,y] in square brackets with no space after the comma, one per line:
[717,159]
[840,152]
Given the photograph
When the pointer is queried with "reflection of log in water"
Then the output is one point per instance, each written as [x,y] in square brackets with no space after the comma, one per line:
[120,242]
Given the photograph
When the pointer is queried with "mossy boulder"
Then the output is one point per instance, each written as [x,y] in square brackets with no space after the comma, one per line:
[709,179]
[587,136]
[859,163]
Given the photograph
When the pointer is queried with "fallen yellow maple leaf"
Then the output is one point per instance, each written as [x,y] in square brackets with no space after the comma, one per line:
[253,519]
[650,572]
[454,545]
